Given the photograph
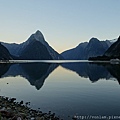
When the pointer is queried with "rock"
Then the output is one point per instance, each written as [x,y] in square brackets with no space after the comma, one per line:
[32,118]
[19,118]
[10,110]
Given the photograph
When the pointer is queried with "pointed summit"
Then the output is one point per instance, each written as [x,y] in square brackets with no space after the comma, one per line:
[38,36]
[34,48]
[38,33]
[43,50]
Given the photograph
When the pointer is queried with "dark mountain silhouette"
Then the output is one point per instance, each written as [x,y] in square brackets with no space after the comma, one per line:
[87,49]
[75,53]
[34,48]
[13,48]
[38,52]
[114,50]
[4,53]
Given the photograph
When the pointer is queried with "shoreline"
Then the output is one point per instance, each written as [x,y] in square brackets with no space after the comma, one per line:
[12,110]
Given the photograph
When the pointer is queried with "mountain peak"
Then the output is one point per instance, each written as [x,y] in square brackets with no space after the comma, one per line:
[36,40]
[38,32]
[38,35]
[93,39]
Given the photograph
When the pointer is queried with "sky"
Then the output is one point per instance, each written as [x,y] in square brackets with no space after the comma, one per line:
[64,23]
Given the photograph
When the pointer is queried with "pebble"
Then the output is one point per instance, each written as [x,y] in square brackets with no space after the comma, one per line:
[11,110]
[32,118]
[19,118]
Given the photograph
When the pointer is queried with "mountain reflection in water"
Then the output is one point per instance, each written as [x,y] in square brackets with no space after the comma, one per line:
[63,91]
[36,73]
[95,71]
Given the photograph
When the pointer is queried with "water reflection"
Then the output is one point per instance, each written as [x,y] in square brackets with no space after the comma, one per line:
[64,92]
[95,71]
[114,70]
[4,68]
[35,73]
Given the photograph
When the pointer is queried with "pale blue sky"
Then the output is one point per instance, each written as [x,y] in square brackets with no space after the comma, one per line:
[64,23]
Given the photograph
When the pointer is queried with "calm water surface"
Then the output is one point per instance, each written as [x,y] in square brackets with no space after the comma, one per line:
[67,89]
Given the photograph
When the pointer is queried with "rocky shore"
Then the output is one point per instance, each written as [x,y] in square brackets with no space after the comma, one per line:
[12,110]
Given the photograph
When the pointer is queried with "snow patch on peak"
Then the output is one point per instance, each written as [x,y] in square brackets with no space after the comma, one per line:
[114,40]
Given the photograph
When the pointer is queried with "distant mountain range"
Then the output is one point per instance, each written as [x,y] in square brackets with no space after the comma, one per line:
[85,50]
[34,48]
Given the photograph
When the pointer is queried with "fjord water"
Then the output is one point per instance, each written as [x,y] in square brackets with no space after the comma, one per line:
[67,89]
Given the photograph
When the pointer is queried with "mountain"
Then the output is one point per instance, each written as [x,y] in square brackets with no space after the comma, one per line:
[13,48]
[114,50]
[75,53]
[87,49]
[34,48]
[4,53]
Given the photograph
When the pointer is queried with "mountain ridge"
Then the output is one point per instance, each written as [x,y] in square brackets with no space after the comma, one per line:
[35,47]
[113,52]
[19,50]
[85,50]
